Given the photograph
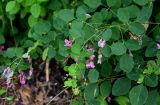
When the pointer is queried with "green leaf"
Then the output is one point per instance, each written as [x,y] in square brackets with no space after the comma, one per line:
[66,14]
[27,3]
[144,14]
[121,86]
[123,14]
[106,69]
[122,100]
[94,102]
[51,52]
[132,44]
[45,53]
[51,36]
[115,33]
[13,52]
[43,0]
[58,23]
[141,2]
[42,27]
[9,98]
[126,63]
[76,24]
[2,91]
[77,33]
[80,12]
[140,79]
[92,3]
[93,75]
[107,34]
[35,10]
[70,83]
[54,5]
[151,81]
[97,17]
[151,50]
[91,91]
[113,3]
[136,28]
[138,95]
[105,88]
[106,51]
[118,48]
[76,49]
[75,101]
[102,100]
[73,70]
[2,39]
[133,11]
[153,98]
[19,1]
[32,20]
[12,7]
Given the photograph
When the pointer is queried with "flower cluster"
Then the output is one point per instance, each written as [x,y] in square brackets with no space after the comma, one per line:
[22,78]
[90,63]
[8,73]
[101,44]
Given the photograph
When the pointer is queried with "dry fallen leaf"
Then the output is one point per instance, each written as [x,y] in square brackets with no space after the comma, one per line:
[39,100]
[26,95]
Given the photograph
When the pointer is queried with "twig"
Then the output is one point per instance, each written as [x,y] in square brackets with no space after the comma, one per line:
[57,95]
[47,70]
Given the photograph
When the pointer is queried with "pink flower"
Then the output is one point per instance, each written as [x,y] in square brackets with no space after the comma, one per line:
[109,99]
[92,49]
[7,72]
[68,43]
[1,48]
[92,57]
[90,65]
[101,43]
[31,71]
[158,46]
[29,59]
[8,81]
[22,78]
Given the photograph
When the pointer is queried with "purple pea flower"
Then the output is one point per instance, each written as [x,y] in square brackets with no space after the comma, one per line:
[92,57]
[68,43]
[8,81]
[158,46]
[101,43]
[1,48]
[109,99]
[22,78]
[31,71]
[90,65]
[7,73]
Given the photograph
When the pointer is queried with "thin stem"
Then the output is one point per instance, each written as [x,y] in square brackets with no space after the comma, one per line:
[57,95]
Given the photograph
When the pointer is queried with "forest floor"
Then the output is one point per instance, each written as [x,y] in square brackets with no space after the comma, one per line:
[38,90]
